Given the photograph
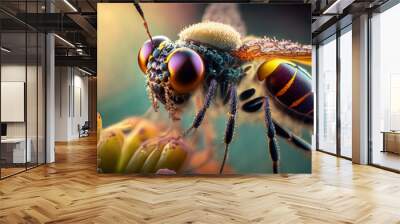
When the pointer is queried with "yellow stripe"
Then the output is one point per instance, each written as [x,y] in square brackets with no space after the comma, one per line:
[301,100]
[288,85]
[162,45]
[268,67]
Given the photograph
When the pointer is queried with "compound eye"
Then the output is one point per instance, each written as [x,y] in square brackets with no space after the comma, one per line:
[186,69]
[147,49]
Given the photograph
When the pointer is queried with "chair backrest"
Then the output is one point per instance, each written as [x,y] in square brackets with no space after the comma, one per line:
[86,124]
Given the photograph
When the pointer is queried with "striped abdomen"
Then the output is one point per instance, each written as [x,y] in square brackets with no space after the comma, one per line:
[290,84]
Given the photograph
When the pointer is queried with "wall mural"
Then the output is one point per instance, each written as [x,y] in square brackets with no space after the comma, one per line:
[204,88]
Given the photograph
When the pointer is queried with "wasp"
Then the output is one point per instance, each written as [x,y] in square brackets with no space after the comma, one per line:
[212,56]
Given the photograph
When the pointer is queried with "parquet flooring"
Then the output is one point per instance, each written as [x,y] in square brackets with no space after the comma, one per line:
[70,191]
[11,170]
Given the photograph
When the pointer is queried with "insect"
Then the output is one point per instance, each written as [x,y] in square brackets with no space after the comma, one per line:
[212,55]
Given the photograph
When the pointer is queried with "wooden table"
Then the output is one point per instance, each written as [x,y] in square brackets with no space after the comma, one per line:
[391,141]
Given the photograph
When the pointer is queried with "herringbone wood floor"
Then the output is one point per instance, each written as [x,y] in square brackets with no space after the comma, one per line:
[70,191]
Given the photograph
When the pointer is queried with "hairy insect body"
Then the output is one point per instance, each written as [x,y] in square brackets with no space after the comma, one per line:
[220,65]
[218,35]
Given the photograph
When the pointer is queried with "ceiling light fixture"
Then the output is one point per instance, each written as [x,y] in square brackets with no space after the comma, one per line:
[333,6]
[5,50]
[84,71]
[70,5]
[338,7]
[64,40]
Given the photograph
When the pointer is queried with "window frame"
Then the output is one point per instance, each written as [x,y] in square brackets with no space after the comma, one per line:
[334,37]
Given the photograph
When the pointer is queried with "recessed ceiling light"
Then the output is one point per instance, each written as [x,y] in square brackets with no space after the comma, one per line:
[338,6]
[84,71]
[5,50]
[70,5]
[64,40]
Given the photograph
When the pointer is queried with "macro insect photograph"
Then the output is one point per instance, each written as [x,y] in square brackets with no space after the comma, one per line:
[189,88]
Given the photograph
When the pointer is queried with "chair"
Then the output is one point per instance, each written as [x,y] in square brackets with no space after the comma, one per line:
[84,130]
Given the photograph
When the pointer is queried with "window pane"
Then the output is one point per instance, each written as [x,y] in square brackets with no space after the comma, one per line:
[327,96]
[346,94]
[23,90]
[385,89]
[31,97]
[14,153]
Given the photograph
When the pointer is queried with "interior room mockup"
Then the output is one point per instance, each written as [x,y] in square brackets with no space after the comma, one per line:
[214,111]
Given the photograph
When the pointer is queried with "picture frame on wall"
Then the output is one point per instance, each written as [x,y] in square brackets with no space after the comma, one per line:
[217,88]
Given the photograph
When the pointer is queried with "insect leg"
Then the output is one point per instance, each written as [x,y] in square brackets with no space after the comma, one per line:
[202,112]
[297,141]
[230,125]
[273,145]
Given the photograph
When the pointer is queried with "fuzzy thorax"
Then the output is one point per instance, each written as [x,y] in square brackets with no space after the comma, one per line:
[219,35]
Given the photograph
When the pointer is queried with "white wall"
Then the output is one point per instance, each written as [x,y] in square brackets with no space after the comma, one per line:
[81,103]
[33,127]
[16,73]
[62,81]
[71,102]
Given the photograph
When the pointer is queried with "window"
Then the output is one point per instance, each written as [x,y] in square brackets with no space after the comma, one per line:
[327,96]
[22,79]
[346,92]
[385,89]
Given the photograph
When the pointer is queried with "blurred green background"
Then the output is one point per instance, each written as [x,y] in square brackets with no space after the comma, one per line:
[121,85]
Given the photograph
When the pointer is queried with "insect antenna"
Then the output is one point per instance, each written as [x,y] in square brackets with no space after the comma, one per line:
[141,13]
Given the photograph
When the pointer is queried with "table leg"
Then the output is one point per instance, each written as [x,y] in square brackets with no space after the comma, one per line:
[384,142]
